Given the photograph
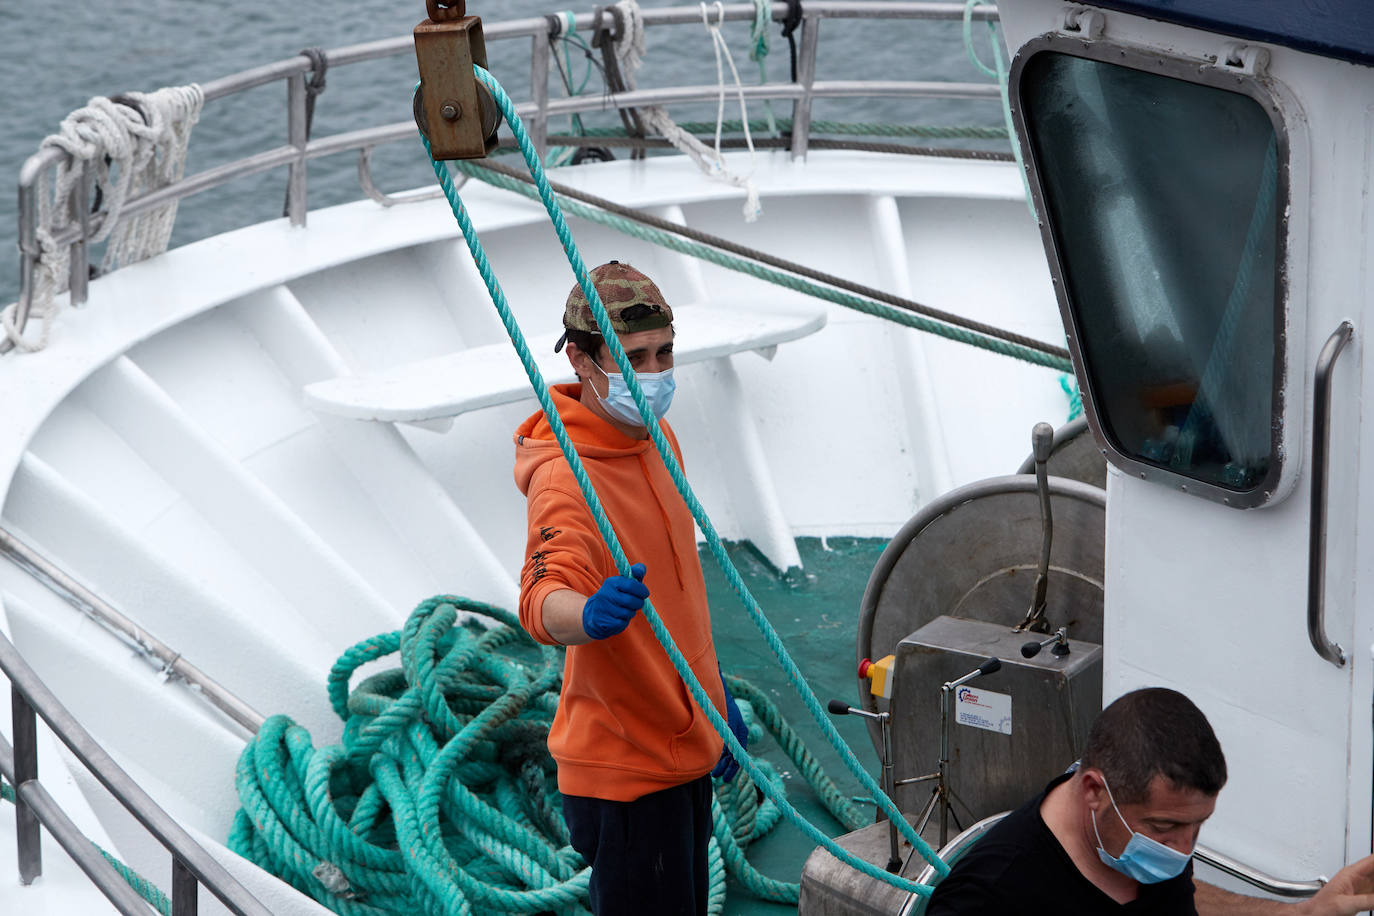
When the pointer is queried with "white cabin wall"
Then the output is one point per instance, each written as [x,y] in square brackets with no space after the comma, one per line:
[1212,601]
[1360,837]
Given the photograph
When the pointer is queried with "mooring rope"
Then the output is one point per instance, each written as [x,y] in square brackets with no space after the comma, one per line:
[629,54]
[751,261]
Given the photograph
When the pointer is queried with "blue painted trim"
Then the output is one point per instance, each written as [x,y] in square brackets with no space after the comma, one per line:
[1343,29]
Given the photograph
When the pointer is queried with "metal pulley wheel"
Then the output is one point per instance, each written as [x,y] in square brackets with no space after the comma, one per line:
[489,113]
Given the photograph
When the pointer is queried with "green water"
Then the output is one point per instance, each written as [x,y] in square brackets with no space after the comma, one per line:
[816,613]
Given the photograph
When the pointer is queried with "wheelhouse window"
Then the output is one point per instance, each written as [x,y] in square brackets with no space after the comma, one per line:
[1164,199]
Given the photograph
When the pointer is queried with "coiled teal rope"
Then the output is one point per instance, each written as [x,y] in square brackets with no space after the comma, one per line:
[441,797]
[717,547]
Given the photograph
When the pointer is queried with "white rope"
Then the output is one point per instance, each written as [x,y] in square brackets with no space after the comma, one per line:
[41,308]
[629,50]
[629,54]
[157,163]
[752,209]
[126,157]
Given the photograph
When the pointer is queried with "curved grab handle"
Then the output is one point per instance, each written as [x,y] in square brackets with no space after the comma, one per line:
[1316,555]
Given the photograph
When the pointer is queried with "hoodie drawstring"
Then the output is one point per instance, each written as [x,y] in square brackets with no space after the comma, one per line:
[663,514]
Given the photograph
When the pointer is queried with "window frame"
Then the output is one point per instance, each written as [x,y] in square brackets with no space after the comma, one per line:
[1279,478]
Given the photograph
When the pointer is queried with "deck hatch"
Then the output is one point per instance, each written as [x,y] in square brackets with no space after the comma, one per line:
[1163,186]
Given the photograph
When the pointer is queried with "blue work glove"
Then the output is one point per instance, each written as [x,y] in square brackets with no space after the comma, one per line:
[615,604]
[727,766]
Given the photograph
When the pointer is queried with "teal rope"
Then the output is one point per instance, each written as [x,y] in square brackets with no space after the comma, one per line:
[441,797]
[563,60]
[146,889]
[1069,384]
[758,52]
[999,71]
[786,280]
[713,539]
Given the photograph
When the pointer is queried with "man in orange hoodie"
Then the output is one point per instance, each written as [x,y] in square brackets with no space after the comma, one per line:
[635,755]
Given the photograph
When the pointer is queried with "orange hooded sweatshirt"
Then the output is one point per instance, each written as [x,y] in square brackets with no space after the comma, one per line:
[626,725]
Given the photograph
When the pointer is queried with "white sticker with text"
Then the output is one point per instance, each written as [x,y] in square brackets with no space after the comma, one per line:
[983,709]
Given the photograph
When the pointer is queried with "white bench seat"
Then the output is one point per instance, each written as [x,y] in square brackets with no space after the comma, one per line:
[430,392]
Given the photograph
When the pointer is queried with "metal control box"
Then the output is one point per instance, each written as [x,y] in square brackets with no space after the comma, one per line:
[1052,703]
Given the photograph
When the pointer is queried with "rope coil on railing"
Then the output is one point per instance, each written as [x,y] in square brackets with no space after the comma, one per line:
[125,148]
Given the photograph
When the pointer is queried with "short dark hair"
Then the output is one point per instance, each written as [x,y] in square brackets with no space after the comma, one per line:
[586,341]
[1154,732]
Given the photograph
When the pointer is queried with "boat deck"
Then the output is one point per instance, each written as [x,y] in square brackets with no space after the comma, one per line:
[815,613]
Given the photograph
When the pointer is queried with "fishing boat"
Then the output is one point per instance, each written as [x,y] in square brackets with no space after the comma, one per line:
[229,463]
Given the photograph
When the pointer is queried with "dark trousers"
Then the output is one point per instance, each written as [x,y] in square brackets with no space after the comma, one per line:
[647,855]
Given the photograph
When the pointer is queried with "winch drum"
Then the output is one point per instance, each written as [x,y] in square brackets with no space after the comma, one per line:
[947,593]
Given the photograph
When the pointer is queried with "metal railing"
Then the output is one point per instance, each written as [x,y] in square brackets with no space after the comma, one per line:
[192,866]
[169,662]
[537,111]
[1278,887]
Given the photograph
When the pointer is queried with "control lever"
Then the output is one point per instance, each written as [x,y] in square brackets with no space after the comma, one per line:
[1060,640]
[942,793]
[884,720]
[1042,441]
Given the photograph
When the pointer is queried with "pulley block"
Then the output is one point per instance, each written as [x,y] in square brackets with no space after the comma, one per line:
[456,113]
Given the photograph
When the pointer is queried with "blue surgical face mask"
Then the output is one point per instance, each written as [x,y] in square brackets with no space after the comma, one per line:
[658,388]
[1144,859]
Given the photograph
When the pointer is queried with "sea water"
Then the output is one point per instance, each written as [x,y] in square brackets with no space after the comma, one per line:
[56,56]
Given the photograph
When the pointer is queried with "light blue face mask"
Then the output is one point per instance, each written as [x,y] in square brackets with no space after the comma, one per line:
[658,388]
[1144,859]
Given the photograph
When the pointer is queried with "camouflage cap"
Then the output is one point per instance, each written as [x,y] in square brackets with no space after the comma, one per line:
[632,301]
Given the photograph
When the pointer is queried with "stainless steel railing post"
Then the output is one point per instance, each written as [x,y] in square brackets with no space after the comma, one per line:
[118,783]
[185,889]
[79,207]
[539,91]
[25,725]
[296,137]
[28,256]
[806,75]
